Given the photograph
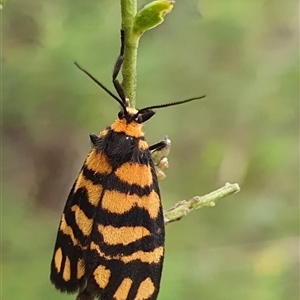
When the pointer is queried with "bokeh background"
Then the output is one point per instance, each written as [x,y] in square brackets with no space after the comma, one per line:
[242,54]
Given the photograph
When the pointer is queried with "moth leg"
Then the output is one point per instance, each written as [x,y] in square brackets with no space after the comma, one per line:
[158,146]
[159,153]
[117,68]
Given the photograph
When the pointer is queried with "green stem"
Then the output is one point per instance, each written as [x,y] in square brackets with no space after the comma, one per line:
[182,208]
[128,11]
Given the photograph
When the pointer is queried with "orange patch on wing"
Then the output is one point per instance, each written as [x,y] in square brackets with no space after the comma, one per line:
[148,257]
[83,222]
[135,173]
[145,290]
[67,230]
[80,268]
[132,129]
[101,276]
[67,270]
[123,289]
[119,203]
[58,256]
[98,162]
[93,190]
[142,145]
[122,235]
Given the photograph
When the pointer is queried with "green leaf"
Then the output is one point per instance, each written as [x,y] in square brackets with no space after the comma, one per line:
[150,16]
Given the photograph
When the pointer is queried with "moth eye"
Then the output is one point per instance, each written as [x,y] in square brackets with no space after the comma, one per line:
[138,119]
[121,114]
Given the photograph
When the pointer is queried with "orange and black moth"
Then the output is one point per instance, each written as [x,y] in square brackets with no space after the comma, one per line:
[110,241]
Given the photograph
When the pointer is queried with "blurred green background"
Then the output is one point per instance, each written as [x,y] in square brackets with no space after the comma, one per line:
[242,54]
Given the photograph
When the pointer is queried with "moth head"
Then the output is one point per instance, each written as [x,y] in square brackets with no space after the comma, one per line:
[142,115]
[134,115]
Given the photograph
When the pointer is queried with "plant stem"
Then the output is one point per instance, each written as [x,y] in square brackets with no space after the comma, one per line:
[128,11]
[182,208]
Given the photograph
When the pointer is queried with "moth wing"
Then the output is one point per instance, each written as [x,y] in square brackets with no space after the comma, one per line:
[68,269]
[126,252]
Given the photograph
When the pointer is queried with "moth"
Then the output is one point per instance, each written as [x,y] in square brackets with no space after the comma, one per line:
[110,241]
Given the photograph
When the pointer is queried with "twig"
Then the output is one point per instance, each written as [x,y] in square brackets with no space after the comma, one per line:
[182,208]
